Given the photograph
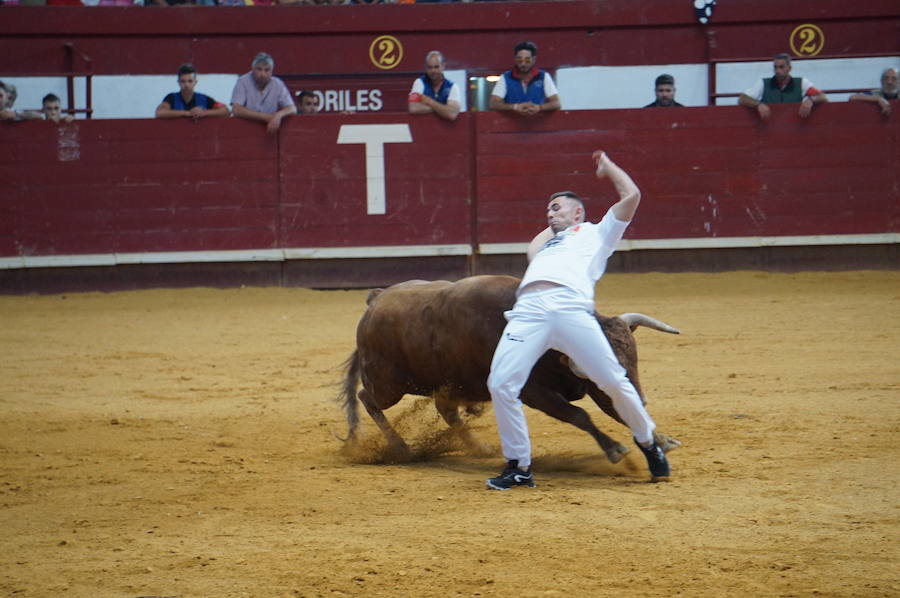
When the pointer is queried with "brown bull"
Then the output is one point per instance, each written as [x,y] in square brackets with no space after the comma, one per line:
[438,339]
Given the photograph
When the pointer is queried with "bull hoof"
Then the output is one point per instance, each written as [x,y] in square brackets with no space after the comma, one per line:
[474,409]
[616,452]
[397,452]
[666,442]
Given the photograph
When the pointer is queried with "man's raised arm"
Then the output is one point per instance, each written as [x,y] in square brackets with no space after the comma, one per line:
[629,194]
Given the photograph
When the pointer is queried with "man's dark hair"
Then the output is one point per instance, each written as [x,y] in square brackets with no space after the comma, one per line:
[574,197]
[50,97]
[187,69]
[304,94]
[664,80]
[570,194]
[782,56]
[526,46]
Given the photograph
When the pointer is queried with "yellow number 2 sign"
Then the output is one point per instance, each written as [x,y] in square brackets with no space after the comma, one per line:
[386,52]
[807,40]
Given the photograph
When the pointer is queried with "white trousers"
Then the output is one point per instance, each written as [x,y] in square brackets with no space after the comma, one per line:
[561,319]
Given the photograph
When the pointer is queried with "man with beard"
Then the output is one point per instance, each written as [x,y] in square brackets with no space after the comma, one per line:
[665,93]
[782,89]
[525,89]
[889,91]
[259,96]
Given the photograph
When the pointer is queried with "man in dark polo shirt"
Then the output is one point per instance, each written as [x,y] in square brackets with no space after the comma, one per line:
[782,89]
[187,104]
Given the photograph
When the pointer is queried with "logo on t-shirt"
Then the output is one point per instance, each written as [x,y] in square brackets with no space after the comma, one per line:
[553,242]
[560,237]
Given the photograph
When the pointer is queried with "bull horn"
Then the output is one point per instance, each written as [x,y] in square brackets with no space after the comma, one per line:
[634,320]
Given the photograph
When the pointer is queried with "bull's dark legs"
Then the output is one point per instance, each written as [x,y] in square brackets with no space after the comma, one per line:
[605,404]
[555,405]
[395,442]
[449,410]
[666,442]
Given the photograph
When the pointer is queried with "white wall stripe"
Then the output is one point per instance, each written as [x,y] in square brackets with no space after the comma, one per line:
[249,255]
[379,251]
[389,251]
[719,242]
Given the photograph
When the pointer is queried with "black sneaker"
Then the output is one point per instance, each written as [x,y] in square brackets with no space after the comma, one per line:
[512,476]
[656,462]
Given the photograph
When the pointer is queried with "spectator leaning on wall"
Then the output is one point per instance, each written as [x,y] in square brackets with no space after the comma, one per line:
[259,96]
[185,103]
[665,93]
[432,92]
[52,110]
[7,99]
[782,89]
[525,89]
[889,90]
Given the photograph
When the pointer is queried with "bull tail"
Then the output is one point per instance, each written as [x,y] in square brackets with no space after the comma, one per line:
[634,320]
[347,396]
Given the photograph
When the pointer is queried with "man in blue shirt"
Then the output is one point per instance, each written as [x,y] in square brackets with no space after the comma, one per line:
[525,89]
[186,103]
[434,93]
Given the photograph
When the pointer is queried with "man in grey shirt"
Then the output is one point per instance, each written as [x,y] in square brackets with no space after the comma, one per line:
[259,96]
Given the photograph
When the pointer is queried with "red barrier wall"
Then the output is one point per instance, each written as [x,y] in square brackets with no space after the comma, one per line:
[145,186]
[704,172]
[323,184]
[137,186]
[97,189]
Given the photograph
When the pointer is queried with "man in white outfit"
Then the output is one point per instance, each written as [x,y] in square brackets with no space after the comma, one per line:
[554,310]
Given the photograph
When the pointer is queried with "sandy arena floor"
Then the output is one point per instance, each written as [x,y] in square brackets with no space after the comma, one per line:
[181,443]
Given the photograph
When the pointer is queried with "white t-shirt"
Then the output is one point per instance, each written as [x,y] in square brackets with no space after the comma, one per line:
[756,92]
[549,87]
[419,87]
[576,257]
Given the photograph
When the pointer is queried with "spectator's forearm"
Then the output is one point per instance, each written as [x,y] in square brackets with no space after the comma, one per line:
[419,108]
[747,101]
[446,111]
[169,113]
[551,104]
[218,111]
[497,103]
[286,111]
[244,112]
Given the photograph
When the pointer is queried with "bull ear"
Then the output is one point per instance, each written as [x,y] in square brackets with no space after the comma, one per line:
[373,294]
